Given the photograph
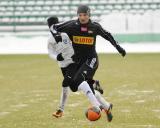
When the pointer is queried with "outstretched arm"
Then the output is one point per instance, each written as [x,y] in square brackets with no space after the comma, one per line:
[102,32]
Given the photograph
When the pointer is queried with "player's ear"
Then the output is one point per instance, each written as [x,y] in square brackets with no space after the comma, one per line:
[52,20]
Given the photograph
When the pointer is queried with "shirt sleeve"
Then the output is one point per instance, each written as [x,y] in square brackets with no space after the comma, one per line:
[61,27]
[106,35]
[51,48]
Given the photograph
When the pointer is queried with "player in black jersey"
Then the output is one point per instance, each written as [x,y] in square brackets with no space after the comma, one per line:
[82,33]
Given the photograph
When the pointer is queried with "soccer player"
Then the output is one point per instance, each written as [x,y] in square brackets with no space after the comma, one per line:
[82,33]
[61,50]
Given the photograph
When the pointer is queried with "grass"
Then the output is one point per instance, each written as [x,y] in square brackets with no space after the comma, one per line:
[30,87]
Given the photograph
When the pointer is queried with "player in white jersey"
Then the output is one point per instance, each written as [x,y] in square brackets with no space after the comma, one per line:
[60,49]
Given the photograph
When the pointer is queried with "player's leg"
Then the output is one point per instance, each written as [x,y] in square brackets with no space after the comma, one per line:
[91,82]
[84,87]
[96,86]
[98,93]
[79,82]
[64,97]
[87,69]
[107,107]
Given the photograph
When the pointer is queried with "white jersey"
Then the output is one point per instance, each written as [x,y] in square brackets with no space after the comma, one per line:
[64,47]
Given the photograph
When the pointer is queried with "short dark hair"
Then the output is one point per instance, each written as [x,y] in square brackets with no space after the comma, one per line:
[52,20]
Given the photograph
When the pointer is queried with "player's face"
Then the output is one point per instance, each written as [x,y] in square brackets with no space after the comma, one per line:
[83,18]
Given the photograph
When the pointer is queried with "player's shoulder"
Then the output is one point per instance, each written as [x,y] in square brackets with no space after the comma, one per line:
[73,23]
[95,23]
[65,23]
[69,22]
[65,38]
[51,39]
[64,35]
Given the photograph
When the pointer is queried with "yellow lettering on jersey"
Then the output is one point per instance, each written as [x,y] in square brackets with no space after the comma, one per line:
[83,40]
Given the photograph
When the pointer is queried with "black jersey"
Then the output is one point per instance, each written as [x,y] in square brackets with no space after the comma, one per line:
[83,36]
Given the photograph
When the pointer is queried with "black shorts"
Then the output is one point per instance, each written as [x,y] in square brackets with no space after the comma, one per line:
[68,74]
[79,72]
[88,67]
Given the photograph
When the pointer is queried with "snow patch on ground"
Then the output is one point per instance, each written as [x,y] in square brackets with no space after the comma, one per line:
[38,45]
[4,113]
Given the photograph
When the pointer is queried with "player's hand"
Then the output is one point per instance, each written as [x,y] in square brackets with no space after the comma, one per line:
[121,50]
[58,38]
[60,57]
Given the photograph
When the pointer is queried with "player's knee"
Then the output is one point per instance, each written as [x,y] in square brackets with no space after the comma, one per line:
[97,94]
[79,78]
[70,82]
[64,85]
[73,88]
[75,83]
[66,82]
